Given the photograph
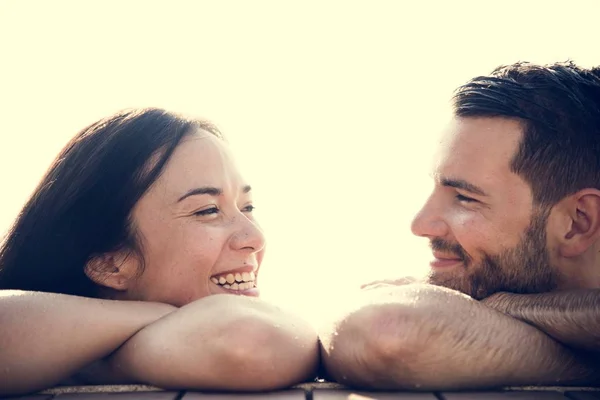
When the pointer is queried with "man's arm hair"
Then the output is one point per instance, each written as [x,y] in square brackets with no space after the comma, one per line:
[571,317]
[433,338]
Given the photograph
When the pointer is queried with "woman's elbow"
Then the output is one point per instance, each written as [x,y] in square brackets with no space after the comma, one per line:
[270,356]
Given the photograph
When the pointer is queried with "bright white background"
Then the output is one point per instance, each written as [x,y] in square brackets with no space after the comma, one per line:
[333,107]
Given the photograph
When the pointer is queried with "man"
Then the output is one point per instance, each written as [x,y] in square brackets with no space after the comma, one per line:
[513,296]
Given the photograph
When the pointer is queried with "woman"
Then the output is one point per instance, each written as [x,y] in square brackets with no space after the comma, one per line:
[137,260]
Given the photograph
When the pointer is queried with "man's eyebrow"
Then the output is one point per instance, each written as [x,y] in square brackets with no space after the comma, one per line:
[463,185]
[210,190]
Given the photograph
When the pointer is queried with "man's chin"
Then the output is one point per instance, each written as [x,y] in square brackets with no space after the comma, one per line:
[455,281]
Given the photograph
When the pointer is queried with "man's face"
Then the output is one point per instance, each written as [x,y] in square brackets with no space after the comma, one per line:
[485,233]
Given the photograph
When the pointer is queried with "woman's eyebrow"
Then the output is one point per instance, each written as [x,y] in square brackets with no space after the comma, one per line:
[210,190]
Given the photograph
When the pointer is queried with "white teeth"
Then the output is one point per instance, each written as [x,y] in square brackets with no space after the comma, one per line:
[237,281]
[239,286]
[230,279]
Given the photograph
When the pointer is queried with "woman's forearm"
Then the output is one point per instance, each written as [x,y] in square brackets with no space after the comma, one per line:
[222,342]
[59,334]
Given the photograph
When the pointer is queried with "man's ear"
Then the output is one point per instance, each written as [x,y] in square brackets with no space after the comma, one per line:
[113,270]
[579,214]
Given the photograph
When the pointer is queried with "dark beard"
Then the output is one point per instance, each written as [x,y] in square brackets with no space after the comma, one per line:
[523,269]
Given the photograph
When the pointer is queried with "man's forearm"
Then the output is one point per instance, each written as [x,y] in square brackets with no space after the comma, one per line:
[434,338]
[571,317]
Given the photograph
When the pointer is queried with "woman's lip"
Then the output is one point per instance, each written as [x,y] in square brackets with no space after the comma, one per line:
[247,268]
[252,292]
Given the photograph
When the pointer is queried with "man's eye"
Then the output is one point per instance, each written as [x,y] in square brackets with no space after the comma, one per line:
[207,211]
[464,199]
[249,208]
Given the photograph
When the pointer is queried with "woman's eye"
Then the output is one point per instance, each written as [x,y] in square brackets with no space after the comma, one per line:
[248,208]
[464,199]
[207,211]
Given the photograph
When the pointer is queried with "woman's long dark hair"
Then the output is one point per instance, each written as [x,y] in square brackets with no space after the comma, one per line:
[82,206]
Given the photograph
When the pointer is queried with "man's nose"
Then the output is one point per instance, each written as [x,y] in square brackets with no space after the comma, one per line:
[429,221]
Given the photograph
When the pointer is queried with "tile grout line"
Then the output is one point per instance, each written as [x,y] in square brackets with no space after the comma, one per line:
[180,395]
[575,397]
[308,394]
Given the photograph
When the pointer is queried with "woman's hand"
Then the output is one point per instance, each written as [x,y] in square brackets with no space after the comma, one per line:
[46,338]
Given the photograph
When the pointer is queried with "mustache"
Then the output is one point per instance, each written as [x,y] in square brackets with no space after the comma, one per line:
[438,244]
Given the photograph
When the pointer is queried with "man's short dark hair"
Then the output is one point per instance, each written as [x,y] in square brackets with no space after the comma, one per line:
[559,107]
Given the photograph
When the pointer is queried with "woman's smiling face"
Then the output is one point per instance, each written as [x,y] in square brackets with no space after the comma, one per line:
[196,229]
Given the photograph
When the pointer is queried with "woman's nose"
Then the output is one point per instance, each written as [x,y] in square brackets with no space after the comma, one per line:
[248,235]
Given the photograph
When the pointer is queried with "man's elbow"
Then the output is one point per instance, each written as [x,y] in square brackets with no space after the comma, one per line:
[375,347]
